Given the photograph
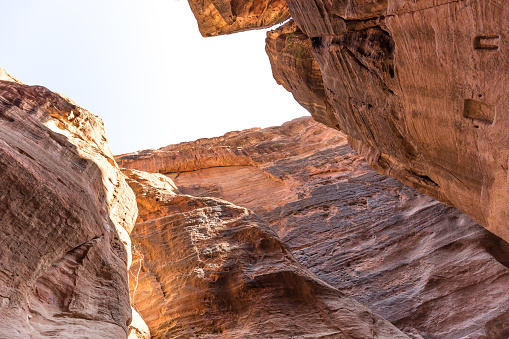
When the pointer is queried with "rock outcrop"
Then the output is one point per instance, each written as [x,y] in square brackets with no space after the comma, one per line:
[203,267]
[420,88]
[216,17]
[295,68]
[424,266]
[65,215]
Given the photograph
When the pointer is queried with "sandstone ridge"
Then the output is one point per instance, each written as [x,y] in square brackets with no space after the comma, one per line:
[202,266]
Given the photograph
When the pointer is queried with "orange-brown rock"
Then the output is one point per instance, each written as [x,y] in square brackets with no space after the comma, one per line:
[65,214]
[238,166]
[295,68]
[216,17]
[425,267]
[420,88]
[203,267]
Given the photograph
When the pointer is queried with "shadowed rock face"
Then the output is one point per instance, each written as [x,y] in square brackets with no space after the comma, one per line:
[295,68]
[205,267]
[424,266]
[420,88]
[65,214]
[216,17]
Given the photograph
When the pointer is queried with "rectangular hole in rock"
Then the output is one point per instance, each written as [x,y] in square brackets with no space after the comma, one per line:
[478,110]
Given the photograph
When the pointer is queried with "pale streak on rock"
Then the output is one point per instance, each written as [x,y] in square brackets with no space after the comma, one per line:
[138,329]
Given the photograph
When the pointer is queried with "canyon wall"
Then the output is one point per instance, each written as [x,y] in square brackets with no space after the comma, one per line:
[206,268]
[203,266]
[426,267]
[419,87]
[65,215]
[216,17]
[269,230]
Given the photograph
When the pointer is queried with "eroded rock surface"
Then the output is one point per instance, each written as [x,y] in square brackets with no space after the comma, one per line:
[295,68]
[419,86]
[216,17]
[203,267]
[424,266]
[65,215]
[239,166]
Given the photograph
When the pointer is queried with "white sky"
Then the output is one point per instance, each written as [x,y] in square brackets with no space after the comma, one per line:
[144,68]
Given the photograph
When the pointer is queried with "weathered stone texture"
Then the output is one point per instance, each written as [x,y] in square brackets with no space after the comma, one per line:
[421,89]
[65,214]
[424,266]
[216,17]
[203,267]
[295,68]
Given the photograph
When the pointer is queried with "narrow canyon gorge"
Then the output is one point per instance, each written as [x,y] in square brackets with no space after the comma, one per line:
[383,215]
[423,266]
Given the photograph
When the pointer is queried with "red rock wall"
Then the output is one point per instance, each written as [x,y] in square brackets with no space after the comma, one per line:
[420,89]
[216,17]
[204,267]
[416,262]
[295,68]
[419,86]
[65,215]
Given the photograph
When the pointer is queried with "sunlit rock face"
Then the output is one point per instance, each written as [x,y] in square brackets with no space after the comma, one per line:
[419,86]
[65,214]
[138,329]
[217,17]
[425,267]
[203,267]
[240,165]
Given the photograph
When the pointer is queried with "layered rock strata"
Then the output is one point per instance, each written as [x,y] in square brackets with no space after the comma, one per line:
[65,215]
[217,17]
[424,266]
[420,88]
[216,270]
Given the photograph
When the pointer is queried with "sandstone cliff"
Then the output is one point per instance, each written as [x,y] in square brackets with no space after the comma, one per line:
[419,86]
[203,266]
[65,215]
[206,268]
[424,266]
[216,17]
